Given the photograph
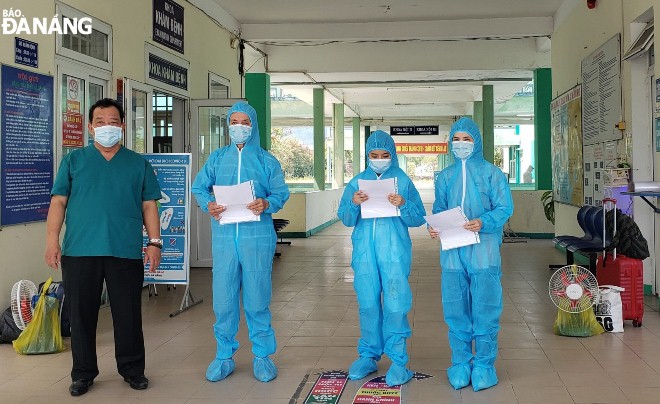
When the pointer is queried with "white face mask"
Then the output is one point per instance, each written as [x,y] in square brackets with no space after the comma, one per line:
[239,133]
[462,149]
[380,165]
[108,135]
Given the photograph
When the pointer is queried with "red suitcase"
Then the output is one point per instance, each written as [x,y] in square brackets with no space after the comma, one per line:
[627,273]
[619,270]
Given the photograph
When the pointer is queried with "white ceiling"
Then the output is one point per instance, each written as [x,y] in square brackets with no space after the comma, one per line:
[396,61]
[296,11]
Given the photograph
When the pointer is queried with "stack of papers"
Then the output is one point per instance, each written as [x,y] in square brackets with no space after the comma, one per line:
[378,205]
[450,226]
[235,198]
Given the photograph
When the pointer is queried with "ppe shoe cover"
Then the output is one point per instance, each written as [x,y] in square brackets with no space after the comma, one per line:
[483,378]
[361,368]
[398,375]
[264,369]
[219,369]
[459,375]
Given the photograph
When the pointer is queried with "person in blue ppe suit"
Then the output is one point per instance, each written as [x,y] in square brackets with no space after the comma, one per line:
[242,252]
[382,255]
[471,287]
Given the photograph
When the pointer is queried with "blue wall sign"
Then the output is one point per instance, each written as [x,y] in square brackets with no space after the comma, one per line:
[26,151]
[168,24]
[26,52]
[168,72]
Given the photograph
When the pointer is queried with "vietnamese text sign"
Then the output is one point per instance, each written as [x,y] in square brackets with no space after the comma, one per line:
[414,130]
[26,52]
[168,24]
[421,148]
[173,173]
[72,117]
[26,156]
[328,388]
[168,72]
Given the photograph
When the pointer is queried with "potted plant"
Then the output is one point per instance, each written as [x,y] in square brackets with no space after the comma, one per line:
[548,201]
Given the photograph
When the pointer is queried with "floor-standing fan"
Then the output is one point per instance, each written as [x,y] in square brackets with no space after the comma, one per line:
[21,302]
[574,290]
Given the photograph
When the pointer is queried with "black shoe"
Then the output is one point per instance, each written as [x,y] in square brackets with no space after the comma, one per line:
[80,387]
[139,382]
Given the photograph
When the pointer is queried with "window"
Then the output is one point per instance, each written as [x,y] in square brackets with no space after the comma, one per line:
[162,125]
[94,45]
[642,44]
[218,86]
[94,49]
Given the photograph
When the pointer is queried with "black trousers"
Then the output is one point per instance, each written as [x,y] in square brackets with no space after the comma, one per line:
[83,284]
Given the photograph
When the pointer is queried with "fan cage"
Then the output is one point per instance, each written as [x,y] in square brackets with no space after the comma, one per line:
[21,302]
[578,279]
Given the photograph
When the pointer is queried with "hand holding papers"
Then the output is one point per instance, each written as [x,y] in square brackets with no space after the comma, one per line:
[378,205]
[450,226]
[235,199]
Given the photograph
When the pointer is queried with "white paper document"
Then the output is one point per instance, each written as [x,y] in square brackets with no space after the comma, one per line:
[378,205]
[235,198]
[450,226]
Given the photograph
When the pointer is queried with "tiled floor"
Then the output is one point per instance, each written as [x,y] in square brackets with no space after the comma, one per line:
[315,318]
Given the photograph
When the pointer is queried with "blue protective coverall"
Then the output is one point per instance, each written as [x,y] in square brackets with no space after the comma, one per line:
[243,252]
[382,255]
[471,287]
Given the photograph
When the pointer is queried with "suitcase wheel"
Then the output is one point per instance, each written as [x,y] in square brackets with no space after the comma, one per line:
[637,323]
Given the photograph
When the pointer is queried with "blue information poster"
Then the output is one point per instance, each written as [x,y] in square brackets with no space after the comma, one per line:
[173,173]
[26,146]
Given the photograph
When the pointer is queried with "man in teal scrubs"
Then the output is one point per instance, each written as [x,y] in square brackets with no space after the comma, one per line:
[106,192]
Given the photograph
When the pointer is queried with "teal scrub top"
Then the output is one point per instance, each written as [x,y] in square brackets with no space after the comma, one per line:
[104,208]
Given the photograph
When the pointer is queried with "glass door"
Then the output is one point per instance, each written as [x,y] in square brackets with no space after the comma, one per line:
[78,88]
[208,128]
[138,115]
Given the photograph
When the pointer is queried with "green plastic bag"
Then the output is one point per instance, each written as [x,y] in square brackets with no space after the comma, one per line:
[582,324]
[43,334]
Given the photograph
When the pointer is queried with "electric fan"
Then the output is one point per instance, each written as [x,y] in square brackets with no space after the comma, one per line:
[573,289]
[21,302]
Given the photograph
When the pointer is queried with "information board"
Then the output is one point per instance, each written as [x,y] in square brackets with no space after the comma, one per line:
[173,173]
[566,134]
[601,93]
[26,151]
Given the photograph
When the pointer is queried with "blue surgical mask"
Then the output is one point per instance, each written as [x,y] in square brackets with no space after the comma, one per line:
[108,135]
[462,149]
[380,165]
[239,134]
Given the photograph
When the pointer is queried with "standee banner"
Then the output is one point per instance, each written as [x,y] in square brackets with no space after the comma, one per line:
[26,146]
[173,173]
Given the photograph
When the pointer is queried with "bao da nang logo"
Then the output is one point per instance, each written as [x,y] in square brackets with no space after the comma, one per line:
[14,23]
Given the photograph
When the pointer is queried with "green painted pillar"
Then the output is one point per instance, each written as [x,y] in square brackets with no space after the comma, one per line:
[478,115]
[338,158]
[542,140]
[319,139]
[257,93]
[356,146]
[488,129]
[367,133]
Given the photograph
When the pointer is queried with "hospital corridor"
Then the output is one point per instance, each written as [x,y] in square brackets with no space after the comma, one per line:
[315,317]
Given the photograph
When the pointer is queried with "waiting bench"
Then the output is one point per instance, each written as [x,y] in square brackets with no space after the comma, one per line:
[280,224]
[591,221]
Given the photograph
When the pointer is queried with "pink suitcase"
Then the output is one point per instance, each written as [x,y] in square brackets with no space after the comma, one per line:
[619,270]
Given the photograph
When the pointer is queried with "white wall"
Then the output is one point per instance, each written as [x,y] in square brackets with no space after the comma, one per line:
[206,48]
[580,33]
[528,216]
[309,210]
